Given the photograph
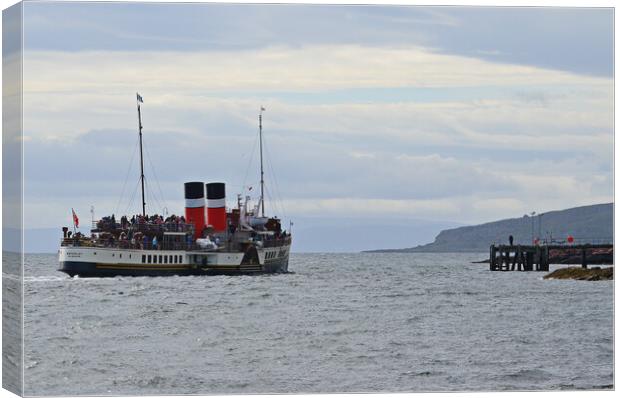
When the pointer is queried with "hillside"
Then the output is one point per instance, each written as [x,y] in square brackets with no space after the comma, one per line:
[586,222]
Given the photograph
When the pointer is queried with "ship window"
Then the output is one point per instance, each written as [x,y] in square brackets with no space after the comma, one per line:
[180,259]
[149,260]
[143,258]
[176,259]
[120,256]
[170,259]
[165,259]
[160,259]
[95,253]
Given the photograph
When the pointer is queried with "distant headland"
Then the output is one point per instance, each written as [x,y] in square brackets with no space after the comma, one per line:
[584,223]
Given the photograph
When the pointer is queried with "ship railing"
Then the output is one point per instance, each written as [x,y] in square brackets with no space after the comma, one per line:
[105,226]
[76,242]
[125,244]
[272,242]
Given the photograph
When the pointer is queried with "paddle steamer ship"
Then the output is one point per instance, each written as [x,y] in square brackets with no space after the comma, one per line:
[207,240]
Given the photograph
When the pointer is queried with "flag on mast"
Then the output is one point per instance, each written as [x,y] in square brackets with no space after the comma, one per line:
[76,220]
[139,98]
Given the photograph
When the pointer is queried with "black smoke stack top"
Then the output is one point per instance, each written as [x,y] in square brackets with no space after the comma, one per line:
[216,190]
[194,190]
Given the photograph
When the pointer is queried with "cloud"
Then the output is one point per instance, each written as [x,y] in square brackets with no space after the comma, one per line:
[574,39]
[502,138]
[308,68]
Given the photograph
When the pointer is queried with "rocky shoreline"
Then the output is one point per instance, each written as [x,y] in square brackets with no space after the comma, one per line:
[582,274]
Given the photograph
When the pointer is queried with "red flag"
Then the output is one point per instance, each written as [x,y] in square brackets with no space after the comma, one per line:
[76,220]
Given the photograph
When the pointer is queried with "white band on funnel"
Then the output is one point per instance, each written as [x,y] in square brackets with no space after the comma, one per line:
[216,203]
[194,203]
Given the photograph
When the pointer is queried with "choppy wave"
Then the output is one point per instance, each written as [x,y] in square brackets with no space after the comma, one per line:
[338,323]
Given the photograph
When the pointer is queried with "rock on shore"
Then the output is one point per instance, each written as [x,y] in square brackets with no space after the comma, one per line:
[581,274]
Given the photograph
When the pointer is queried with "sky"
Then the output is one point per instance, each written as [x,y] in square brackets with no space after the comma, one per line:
[459,115]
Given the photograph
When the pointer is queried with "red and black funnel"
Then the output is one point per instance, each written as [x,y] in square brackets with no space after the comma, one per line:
[216,205]
[195,206]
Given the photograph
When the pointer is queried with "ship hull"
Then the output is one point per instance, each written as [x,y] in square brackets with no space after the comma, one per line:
[96,270]
[80,261]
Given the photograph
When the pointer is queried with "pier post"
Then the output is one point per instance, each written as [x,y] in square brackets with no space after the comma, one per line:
[527,261]
[584,258]
[545,260]
[519,258]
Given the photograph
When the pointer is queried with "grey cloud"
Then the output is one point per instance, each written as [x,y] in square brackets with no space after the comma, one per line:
[573,39]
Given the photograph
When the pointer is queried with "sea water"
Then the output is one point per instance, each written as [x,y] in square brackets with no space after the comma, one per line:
[337,323]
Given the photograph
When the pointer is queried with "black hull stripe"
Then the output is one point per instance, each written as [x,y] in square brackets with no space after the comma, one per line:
[89,269]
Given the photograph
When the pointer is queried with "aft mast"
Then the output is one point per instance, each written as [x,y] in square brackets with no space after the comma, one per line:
[139,101]
[262,174]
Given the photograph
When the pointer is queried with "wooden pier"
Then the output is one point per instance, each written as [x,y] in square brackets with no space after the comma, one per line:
[533,258]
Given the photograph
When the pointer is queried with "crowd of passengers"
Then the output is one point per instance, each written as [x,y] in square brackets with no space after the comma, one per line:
[140,232]
[110,223]
[146,232]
